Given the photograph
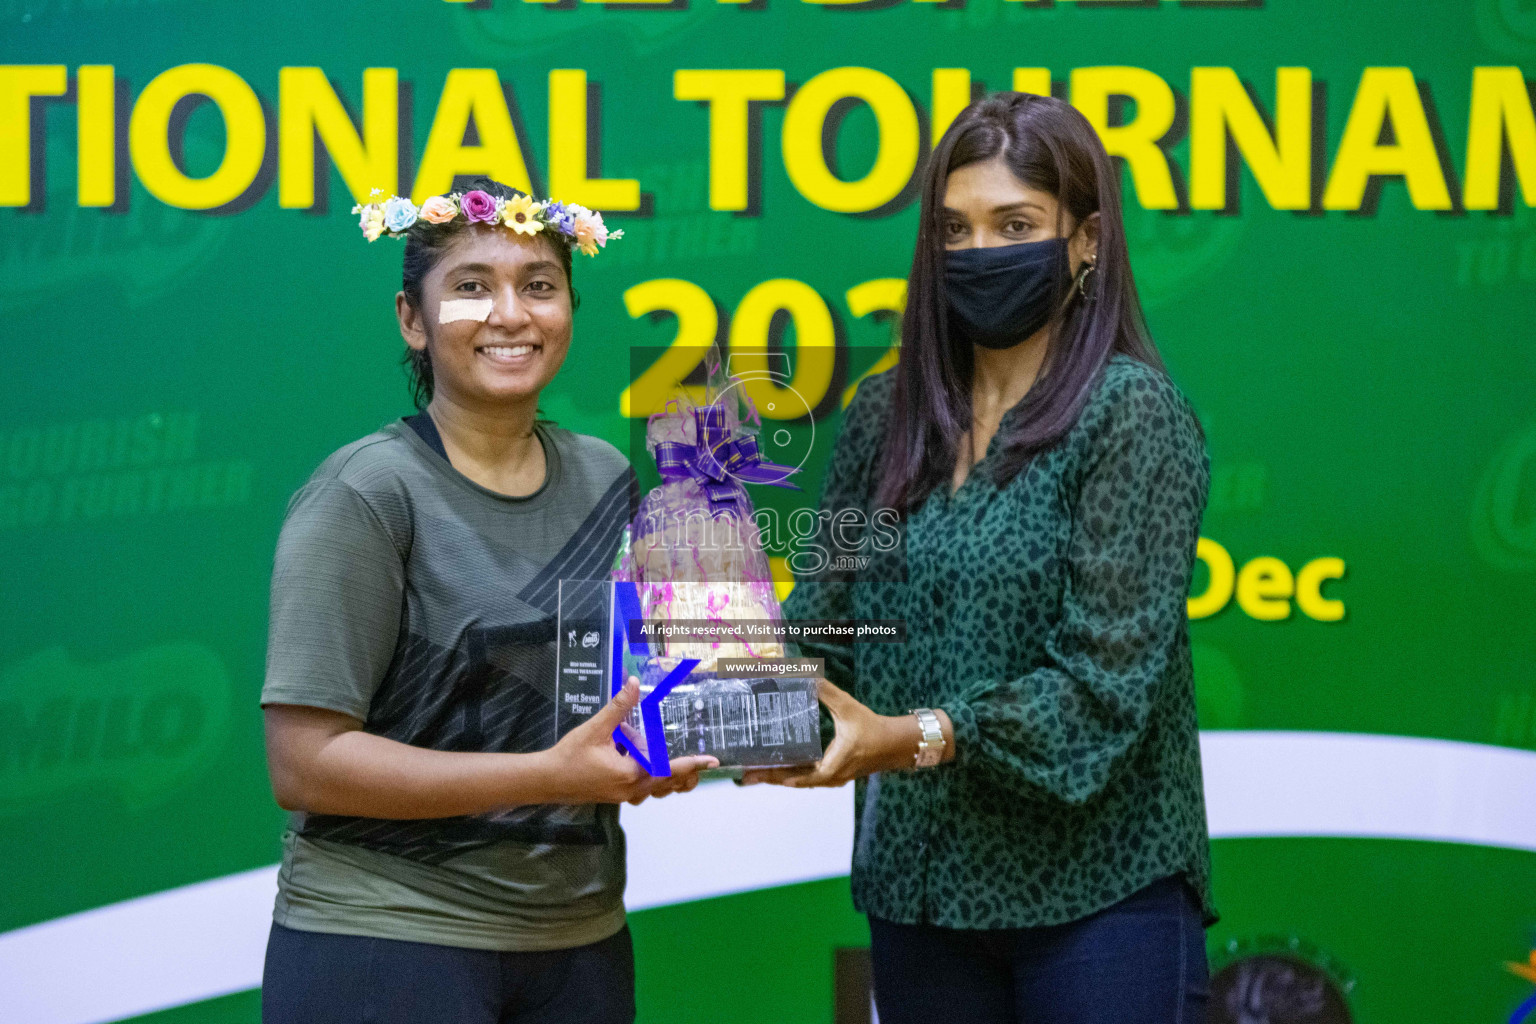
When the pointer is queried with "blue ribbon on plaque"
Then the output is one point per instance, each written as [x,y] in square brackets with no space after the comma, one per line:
[652,754]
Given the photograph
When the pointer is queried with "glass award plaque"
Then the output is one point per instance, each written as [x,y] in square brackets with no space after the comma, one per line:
[720,686]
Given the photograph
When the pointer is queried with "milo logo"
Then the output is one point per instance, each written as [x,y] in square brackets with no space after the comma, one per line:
[137,725]
[1504,511]
[143,252]
[1176,255]
[1509,26]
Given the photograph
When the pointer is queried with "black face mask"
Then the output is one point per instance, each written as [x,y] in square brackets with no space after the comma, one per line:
[1000,296]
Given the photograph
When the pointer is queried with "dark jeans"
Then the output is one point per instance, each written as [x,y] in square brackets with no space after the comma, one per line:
[1141,961]
[317,978]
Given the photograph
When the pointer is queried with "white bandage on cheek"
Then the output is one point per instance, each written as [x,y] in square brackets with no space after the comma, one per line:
[464,309]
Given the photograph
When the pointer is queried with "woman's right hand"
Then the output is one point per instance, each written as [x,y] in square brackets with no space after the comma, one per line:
[590,768]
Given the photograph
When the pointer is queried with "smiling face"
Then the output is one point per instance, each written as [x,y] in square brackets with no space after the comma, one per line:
[518,348]
[986,205]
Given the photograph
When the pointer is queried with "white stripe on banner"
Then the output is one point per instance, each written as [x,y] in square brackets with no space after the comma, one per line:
[206,940]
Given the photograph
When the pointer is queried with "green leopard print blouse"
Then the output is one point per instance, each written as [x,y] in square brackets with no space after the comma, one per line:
[1048,618]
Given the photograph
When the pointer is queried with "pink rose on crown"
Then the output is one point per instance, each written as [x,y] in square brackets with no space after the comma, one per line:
[478,207]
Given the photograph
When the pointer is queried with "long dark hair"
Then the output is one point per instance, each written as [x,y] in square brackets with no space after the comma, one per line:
[425,246]
[1052,148]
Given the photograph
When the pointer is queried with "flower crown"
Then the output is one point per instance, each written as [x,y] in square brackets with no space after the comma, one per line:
[582,227]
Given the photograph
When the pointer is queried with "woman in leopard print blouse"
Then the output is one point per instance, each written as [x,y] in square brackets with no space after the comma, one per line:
[1049,480]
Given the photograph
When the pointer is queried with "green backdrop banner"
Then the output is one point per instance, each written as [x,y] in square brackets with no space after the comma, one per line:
[1330,218]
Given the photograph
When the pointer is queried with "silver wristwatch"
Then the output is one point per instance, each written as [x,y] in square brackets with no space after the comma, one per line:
[930,749]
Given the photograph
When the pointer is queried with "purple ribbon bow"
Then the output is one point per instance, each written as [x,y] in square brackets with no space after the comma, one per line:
[717,456]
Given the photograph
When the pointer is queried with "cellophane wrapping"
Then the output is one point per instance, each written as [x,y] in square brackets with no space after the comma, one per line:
[695,553]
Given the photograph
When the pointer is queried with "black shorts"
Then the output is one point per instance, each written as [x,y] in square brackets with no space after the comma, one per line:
[318,978]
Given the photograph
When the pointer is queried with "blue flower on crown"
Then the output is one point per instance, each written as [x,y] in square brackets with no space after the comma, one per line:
[560,216]
[399,213]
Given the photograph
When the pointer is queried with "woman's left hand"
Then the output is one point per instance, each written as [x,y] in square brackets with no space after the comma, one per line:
[865,743]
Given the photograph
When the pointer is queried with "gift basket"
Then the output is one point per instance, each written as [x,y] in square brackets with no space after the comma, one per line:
[719,667]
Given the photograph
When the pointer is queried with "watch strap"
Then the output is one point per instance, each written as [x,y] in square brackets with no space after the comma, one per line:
[930,748]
